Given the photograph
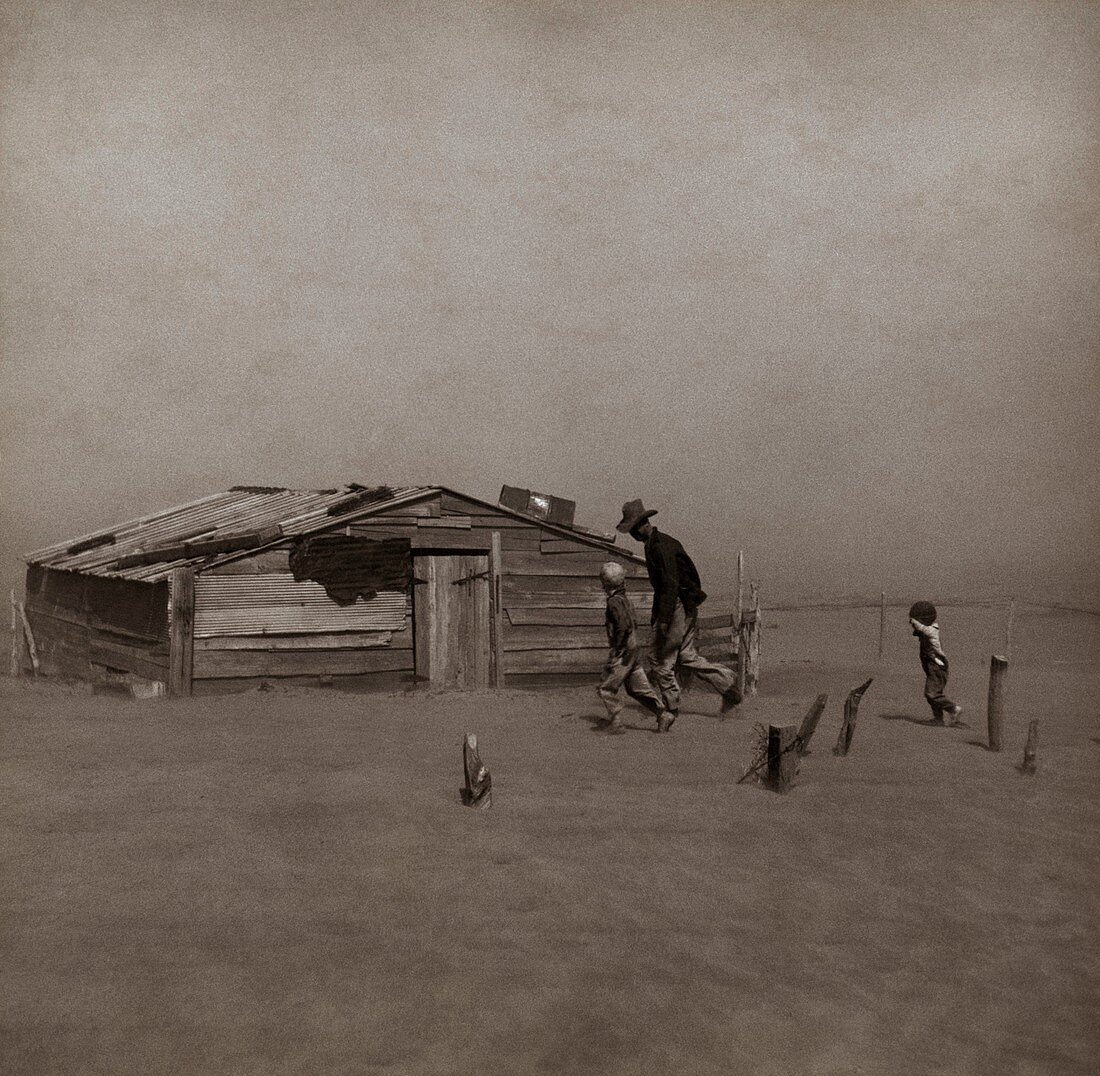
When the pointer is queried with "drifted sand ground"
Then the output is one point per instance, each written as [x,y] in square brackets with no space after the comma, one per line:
[281,882]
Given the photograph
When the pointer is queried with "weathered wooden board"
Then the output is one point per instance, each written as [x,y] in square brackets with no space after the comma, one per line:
[519,540]
[583,591]
[390,680]
[713,621]
[132,659]
[567,545]
[59,614]
[340,641]
[552,637]
[575,617]
[251,663]
[272,560]
[586,564]
[446,522]
[468,541]
[534,661]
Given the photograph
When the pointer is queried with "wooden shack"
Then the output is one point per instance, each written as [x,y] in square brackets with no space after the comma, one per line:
[374,587]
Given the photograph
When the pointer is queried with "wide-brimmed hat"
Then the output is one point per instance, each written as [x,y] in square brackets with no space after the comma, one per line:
[633,514]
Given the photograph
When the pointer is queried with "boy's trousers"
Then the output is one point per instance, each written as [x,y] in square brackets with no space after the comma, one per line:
[934,683]
[627,674]
[677,647]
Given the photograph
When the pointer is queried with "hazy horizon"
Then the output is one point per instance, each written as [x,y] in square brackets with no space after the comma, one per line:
[815,281]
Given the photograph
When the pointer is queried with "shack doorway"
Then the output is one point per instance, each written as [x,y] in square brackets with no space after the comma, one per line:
[451,619]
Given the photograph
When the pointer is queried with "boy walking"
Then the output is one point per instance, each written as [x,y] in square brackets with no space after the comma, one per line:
[922,618]
[623,668]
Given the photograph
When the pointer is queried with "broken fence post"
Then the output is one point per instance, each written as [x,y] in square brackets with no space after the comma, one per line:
[809,724]
[995,713]
[851,709]
[782,757]
[1030,764]
[774,756]
[479,784]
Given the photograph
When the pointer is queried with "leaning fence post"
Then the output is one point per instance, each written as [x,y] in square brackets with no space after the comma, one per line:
[479,784]
[1029,764]
[851,709]
[998,666]
[809,724]
[28,637]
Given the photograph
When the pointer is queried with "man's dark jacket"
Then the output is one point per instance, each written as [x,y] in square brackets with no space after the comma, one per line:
[673,575]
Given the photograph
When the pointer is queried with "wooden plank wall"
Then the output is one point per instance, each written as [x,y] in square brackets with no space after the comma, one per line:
[354,659]
[77,637]
[552,621]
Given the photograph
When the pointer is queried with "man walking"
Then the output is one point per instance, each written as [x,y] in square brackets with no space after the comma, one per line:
[677,595]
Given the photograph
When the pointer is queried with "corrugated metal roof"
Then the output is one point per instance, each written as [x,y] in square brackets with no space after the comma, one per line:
[235,511]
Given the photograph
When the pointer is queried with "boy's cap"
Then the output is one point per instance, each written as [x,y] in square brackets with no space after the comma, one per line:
[633,514]
[612,573]
[925,612]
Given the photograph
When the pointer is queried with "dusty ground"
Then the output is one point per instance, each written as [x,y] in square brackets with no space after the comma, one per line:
[287,883]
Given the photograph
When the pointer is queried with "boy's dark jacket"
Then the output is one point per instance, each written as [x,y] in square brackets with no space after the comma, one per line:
[619,620]
[673,575]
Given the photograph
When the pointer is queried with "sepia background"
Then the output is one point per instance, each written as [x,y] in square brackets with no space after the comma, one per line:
[815,280]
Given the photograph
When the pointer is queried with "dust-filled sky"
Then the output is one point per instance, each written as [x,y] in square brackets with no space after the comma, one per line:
[815,280]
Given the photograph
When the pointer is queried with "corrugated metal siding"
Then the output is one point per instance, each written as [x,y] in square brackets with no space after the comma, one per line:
[275,604]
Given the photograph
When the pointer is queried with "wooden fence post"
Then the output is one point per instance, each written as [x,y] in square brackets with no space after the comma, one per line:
[479,784]
[851,709]
[755,629]
[1029,764]
[181,631]
[881,624]
[740,587]
[809,724]
[782,757]
[998,666]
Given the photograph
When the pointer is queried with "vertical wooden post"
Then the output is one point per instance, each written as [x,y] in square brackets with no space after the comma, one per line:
[998,667]
[782,757]
[16,640]
[881,623]
[496,614]
[809,724]
[755,629]
[740,587]
[181,631]
[851,710]
[1029,763]
[1008,628]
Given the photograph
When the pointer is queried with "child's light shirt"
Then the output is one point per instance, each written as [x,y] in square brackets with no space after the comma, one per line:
[930,648]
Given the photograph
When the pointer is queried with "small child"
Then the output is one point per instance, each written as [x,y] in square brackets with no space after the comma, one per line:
[922,618]
[624,667]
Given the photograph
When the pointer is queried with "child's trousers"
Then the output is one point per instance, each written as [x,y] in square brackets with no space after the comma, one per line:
[934,684]
[631,676]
